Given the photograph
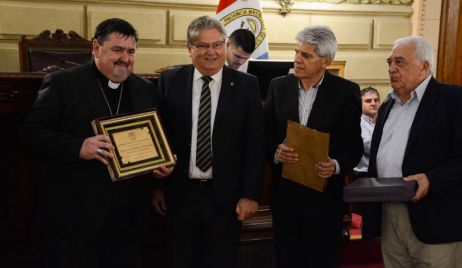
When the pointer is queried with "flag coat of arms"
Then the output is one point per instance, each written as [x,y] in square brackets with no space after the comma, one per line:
[247,14]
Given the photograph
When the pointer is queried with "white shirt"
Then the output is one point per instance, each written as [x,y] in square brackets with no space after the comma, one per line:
[215,86]
[243,68]
[395,133]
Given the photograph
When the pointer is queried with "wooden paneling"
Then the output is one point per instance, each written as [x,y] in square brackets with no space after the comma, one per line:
[351,32]
[450,43]
[387,30]
[19,180]
[150,23]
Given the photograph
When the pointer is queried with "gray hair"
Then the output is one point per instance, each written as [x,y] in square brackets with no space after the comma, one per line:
[322,38]
[203,23]
[423,49]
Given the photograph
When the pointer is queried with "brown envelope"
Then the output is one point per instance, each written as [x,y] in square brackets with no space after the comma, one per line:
[312,146]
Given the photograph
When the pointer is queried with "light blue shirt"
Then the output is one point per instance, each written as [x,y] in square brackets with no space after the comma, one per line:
[305,101]
[367,128]
[396,130]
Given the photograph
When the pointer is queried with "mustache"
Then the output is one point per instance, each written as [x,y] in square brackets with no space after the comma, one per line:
[119,62]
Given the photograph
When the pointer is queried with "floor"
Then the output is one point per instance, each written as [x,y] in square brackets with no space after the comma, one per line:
[358,253]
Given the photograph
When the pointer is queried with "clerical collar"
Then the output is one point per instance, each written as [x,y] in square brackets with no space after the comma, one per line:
[104,80]
[112,85]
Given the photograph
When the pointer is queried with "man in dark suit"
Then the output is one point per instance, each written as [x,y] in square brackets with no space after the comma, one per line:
[418,136]
[214,120]
[307,223]
[84,219]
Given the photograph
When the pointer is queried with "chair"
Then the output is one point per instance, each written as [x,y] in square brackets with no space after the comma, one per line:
[49,52]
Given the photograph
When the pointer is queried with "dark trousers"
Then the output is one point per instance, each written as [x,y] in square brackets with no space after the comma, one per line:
[201,235]
[116,251]
[113,240]
[307,227]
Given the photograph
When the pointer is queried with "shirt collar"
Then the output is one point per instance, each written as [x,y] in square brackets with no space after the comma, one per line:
[216,77]
[315,86]
[417,93]
[368,119]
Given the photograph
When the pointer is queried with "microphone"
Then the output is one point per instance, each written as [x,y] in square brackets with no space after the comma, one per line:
[71,62]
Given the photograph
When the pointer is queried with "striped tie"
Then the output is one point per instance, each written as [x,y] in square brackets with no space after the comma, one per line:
[204,147]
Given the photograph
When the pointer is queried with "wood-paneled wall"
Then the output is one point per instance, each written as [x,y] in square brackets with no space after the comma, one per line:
[365,32]
[450,43]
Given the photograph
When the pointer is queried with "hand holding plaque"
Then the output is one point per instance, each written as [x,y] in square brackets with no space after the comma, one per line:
[140,144]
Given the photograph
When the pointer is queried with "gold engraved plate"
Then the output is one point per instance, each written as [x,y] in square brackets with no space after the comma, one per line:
[135,145]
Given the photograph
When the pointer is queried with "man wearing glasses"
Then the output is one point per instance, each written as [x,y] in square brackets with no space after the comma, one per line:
[214,121]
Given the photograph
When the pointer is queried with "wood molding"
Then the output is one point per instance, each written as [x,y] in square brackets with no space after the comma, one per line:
[450,43]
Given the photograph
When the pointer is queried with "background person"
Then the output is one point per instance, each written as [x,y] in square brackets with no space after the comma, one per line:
[370,100]
[239,48]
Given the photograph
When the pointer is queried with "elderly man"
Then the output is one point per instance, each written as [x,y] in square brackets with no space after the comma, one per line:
[214,120]
[307,223]
[370,100]
[418,136]
[84,219]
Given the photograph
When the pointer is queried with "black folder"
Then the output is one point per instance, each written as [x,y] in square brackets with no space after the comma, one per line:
[379,190]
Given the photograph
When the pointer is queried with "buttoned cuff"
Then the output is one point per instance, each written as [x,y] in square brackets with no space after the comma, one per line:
[337,167]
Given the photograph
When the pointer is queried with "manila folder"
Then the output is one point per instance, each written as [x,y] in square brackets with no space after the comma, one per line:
[312,147]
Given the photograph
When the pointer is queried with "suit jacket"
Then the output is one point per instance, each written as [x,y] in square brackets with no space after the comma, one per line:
[434,148]
[336,110]
[75,193]
[238,137]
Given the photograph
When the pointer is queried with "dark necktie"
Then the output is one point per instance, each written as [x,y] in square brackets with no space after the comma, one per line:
[204,146]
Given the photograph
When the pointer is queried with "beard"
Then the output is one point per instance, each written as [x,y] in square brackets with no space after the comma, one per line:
[121,72]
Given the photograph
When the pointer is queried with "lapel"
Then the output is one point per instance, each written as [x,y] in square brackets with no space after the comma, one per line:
[186,85]
[92,92]
[228,83]
[425,107]
[322,98]
[293,92]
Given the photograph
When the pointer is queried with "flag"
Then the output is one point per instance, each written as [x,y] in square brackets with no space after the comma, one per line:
[236,14]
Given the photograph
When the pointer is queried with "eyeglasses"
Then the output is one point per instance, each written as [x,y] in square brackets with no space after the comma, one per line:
[204,46]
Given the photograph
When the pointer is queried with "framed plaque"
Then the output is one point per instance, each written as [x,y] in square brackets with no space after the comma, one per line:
[139,140]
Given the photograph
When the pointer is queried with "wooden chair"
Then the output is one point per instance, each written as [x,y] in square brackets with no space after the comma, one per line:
[49,52]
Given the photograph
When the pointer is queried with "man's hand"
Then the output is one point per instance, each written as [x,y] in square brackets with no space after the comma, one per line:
[326,169]
[286,154]
[158,202]
[423,185]
[97,147]
[163,171]
[245,208]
